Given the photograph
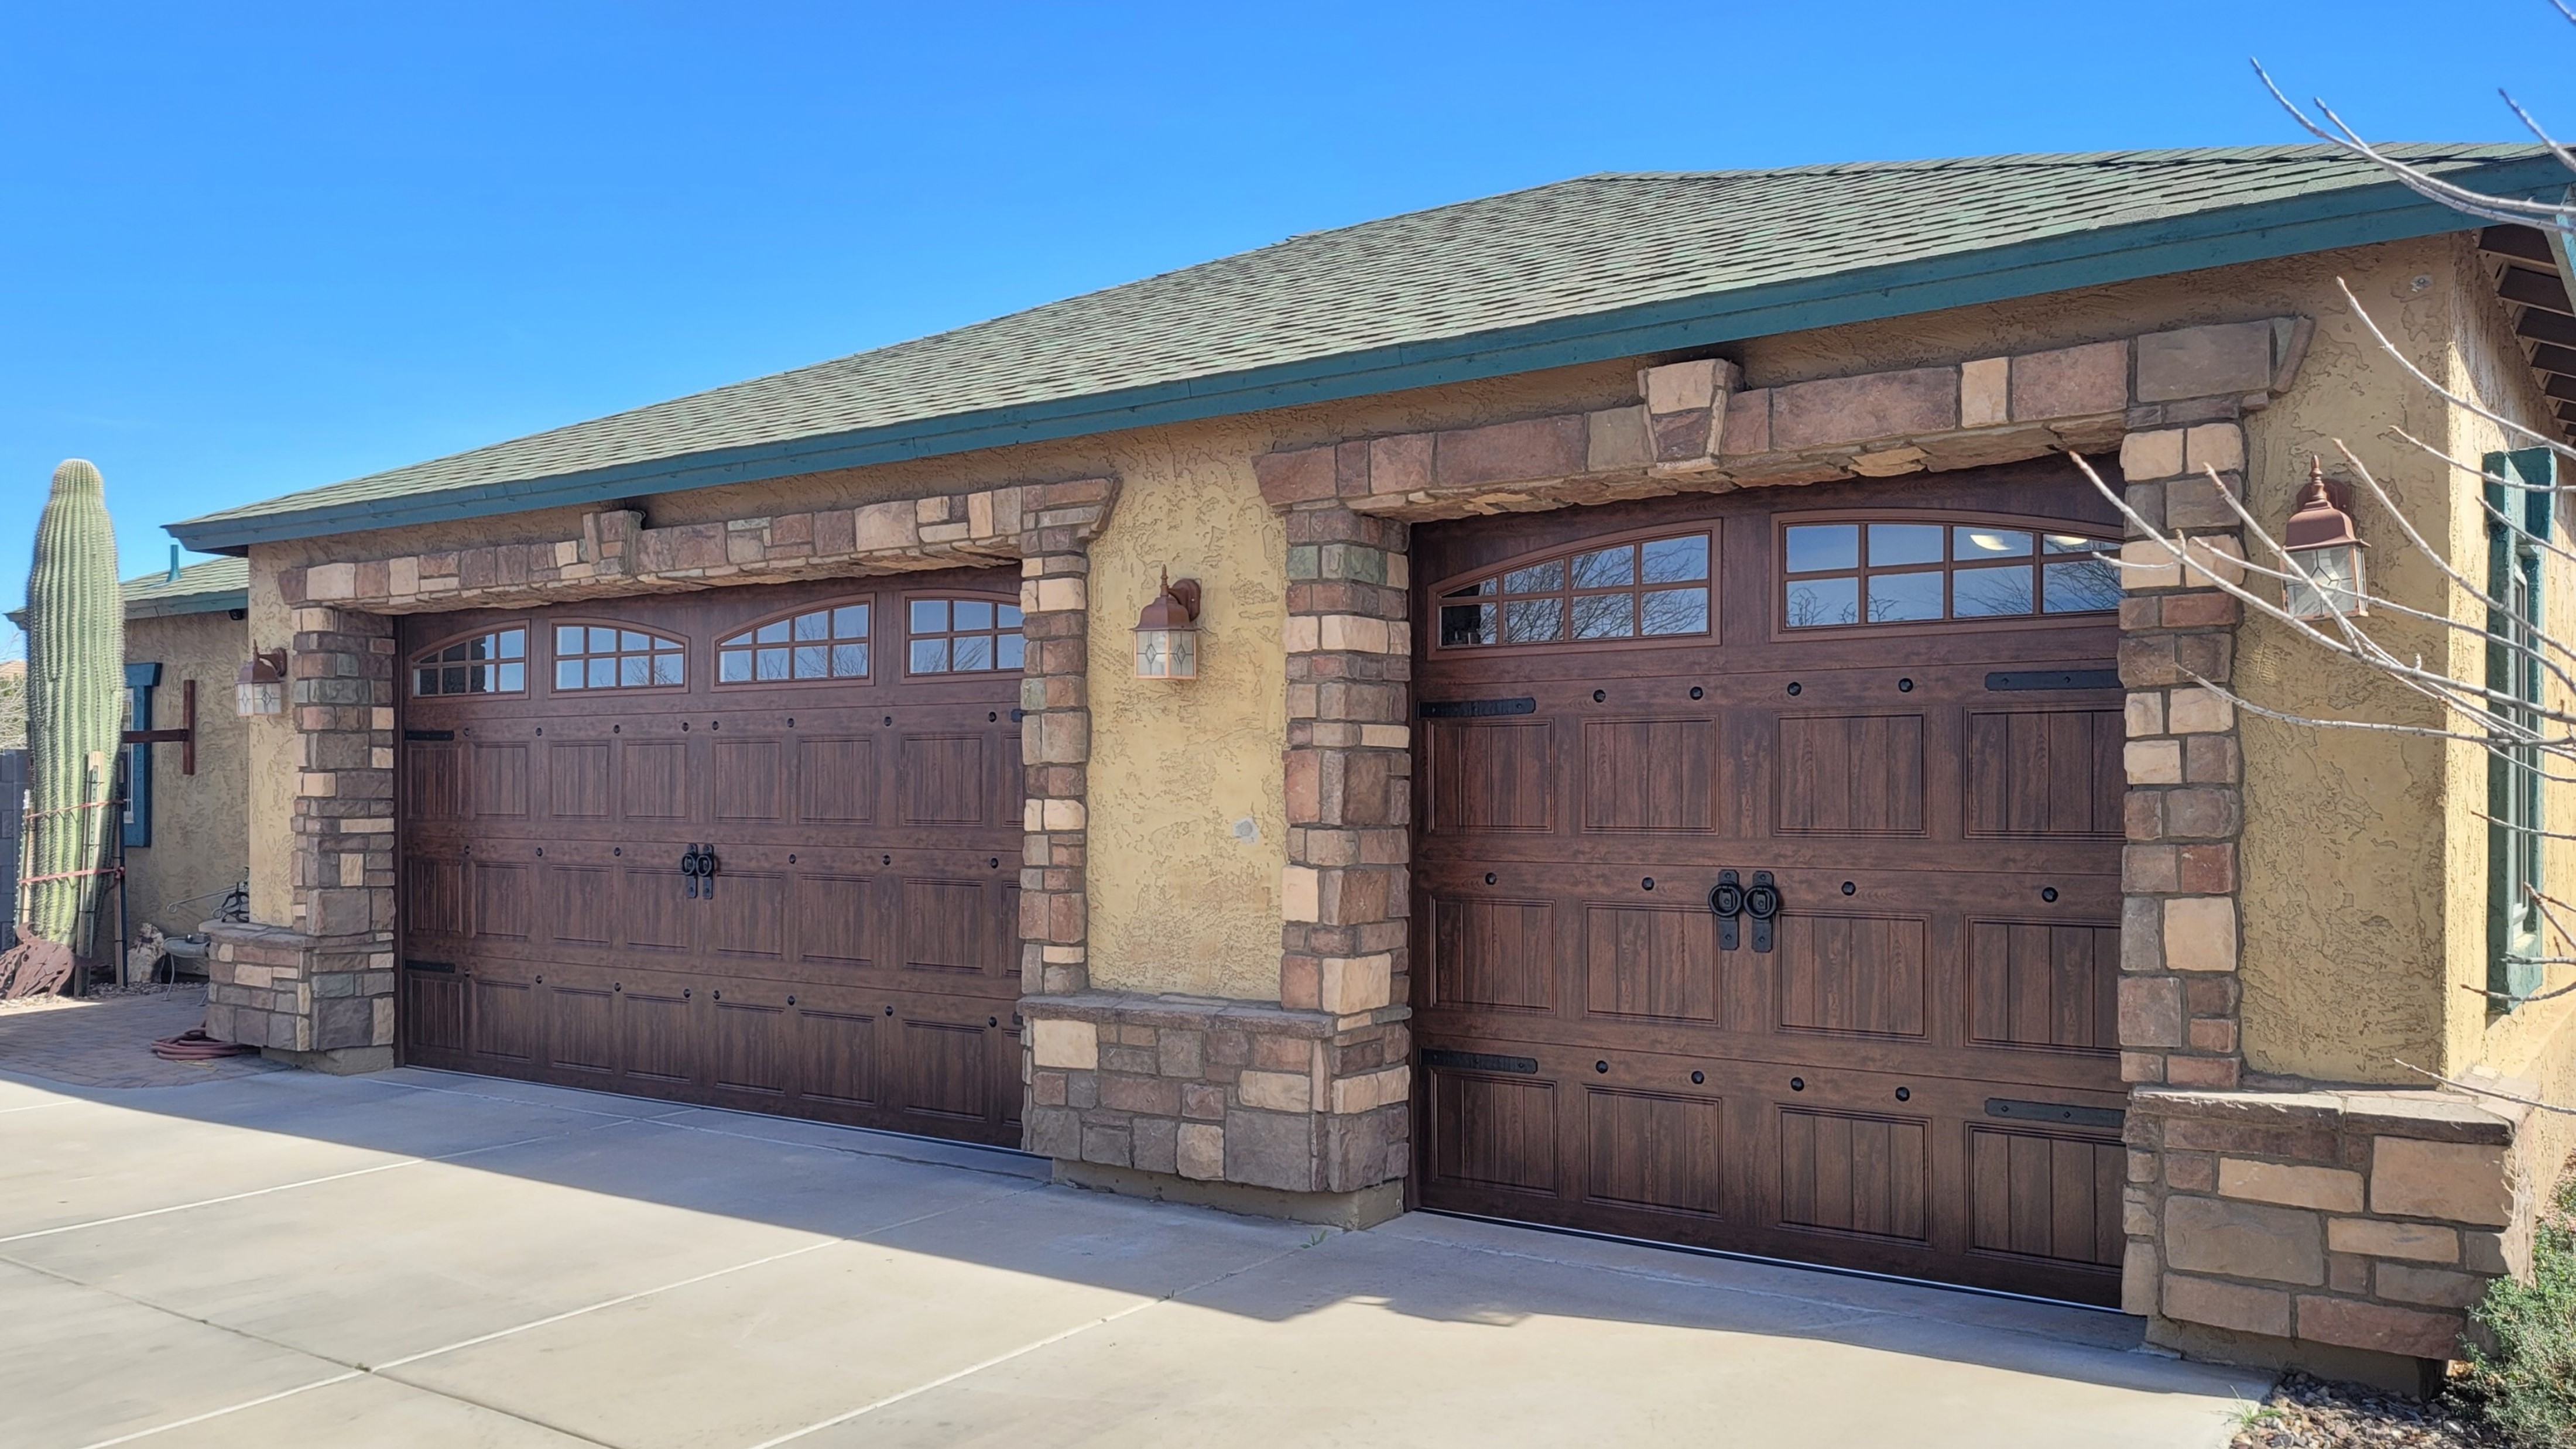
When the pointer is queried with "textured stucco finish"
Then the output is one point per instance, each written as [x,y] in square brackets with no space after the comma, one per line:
[200,830]
[1179,900]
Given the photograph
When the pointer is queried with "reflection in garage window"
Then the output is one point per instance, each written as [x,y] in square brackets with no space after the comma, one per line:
[1648,589]
[494,663]
[961,636]
[599,656]
[826,643]
[1905,572]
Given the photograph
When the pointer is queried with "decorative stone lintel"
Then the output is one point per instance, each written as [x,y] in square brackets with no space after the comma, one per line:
[616,555]
[1693,430]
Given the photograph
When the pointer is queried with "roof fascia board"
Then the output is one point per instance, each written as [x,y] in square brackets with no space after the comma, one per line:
[2357,216]
[165,608]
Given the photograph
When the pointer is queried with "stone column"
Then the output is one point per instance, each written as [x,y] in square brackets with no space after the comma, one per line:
[320,989]
[1057,523]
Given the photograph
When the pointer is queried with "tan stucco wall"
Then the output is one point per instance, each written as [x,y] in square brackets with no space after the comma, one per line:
[269,748]
[200,831]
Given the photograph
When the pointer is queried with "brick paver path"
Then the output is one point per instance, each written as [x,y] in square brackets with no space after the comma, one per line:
[107,1041]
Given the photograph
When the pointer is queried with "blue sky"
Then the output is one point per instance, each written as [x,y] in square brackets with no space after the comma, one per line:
[246,249]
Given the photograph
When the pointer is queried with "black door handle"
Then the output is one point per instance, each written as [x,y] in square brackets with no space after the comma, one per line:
[689,871]
[707,871]
[1762,903]
[1726,901]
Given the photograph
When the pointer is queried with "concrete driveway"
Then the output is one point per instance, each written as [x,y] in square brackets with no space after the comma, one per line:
[418,1258]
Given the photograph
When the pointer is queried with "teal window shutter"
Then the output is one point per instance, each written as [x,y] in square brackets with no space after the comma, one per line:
[2515,775]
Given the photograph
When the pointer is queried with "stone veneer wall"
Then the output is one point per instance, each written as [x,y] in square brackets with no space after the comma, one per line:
[2354,1220]
[325,984]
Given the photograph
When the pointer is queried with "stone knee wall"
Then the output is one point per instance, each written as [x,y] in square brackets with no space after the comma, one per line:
[1214,1091]
[2356,1220]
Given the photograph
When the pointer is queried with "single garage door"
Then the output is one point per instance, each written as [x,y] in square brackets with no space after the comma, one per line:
[751,847]
[1768,873]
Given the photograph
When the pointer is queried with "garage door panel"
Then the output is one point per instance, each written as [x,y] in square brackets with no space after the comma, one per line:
[746,913]
[836,780]
[582,1025]
[652,780]
[577,780]
[2044,984]
[749,779]
[1946,852]
[855,955]
[836,919]
[1490,775]
[1651,775]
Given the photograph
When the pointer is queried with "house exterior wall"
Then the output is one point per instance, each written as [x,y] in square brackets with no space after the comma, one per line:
[200,828]
[1217,986]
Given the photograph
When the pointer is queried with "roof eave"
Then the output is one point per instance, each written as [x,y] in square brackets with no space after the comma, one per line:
[2356,216]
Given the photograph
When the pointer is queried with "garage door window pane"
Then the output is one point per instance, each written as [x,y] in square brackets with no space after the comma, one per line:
[489,663]
[1915,572]
[1593,595]
[606,656]
[964,636]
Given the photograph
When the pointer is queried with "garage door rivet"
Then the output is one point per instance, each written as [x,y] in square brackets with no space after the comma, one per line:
[717,724]
[619,850]
[541,852]
[1599,695]
[791,1001]
[2048,893]
[1648,883]
[1848,888]
[1797,1084]
[1905,1094]
[992,1021]
[1489,877]
[616,729]
[889,1011]
[791,721]
[791,857]
[1795,687]
[889,719]
[1697,692]
[994,861]
[616,985]
[684,993]
[885,860]
[684,726]
[1699,1078]
[1905,686]
[991,718]
[541,729]
[1601,1066]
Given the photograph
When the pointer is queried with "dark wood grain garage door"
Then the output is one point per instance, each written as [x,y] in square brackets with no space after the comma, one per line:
[749,847]
[1889,709]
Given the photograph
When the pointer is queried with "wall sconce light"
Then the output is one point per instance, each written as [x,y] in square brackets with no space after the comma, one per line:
[2324,549]
[260,688]
[1167,632]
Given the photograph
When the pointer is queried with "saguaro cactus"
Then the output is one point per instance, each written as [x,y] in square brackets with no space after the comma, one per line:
[75,675]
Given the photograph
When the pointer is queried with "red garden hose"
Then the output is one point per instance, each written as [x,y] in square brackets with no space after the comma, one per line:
[193,1045]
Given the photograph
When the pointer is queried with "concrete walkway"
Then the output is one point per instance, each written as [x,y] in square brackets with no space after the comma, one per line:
[416,1258]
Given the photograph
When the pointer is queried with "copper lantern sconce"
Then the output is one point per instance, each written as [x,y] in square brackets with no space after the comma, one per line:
[1167,632]
[260,688]
[2324,550]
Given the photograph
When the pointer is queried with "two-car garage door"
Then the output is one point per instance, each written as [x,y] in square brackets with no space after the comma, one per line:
[753,847]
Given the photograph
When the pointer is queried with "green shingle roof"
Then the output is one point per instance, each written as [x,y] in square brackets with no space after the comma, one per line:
[1582,270]
[200,588]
